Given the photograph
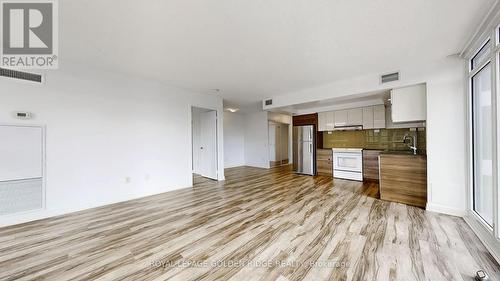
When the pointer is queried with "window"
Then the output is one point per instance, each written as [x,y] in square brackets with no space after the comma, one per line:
[480,56]
[482,144]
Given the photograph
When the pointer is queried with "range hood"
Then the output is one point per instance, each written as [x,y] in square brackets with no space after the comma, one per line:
[349,128]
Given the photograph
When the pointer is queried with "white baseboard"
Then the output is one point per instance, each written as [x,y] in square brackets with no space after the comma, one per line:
[491,243]
[29,216]
[437,208]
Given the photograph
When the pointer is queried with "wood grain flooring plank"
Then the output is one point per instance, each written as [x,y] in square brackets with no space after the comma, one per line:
[276,224]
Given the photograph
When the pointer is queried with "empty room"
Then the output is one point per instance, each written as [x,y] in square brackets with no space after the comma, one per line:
[250,140]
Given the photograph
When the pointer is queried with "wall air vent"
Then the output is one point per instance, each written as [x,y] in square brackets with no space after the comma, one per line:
[20,75]
[269,102]
[391,77]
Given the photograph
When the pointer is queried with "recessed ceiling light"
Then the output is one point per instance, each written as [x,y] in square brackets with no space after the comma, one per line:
[233,110]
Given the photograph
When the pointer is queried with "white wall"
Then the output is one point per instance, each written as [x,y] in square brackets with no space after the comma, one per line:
[101,128]
[234,139]
[256,140]
[447,142]
[446,123]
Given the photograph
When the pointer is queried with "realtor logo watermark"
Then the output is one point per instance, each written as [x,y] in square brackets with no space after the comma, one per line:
[29,34]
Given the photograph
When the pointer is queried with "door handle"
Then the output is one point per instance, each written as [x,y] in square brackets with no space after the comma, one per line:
[201,147]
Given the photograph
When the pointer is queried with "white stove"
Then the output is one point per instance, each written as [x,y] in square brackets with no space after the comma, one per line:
[348,163]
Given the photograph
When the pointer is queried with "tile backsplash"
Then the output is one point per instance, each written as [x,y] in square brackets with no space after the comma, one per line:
[382,139]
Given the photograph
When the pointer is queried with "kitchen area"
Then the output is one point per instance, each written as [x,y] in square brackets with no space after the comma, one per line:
[381,145]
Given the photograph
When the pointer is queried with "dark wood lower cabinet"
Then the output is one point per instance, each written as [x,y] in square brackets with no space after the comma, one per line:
[370,165]
[324,162]
[403,179]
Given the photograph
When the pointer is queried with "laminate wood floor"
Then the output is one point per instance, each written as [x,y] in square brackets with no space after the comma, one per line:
[257,225]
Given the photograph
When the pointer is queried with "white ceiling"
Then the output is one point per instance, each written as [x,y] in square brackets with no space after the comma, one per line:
[258,48]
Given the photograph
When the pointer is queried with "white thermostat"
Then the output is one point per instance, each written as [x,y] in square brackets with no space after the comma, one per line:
[22,115]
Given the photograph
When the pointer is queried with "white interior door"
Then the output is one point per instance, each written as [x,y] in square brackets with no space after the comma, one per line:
[209,144]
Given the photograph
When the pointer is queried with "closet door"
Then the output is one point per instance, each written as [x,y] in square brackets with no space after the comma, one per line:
[21,168]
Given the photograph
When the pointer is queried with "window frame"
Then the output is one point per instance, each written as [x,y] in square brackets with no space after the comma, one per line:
[481,64]
[489,29]
[487,62]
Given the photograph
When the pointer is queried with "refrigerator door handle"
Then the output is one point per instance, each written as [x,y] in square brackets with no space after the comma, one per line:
[310,147]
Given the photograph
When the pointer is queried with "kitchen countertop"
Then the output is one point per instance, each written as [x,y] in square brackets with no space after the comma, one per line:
[401,152]
[347,149]
[382,151]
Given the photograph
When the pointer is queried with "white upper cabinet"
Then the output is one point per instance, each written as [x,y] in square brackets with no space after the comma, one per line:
[379,116]
[371,117]
[322,121]
[330,120]
[341,118]
[409,104]
[348,117]
[355,117]
[326,121]
[368,117]
[374,117]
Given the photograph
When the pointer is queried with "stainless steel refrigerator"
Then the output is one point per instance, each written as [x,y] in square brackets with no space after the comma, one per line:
[304,158]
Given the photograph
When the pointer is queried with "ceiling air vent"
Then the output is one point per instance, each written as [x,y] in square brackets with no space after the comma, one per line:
[269,102]
[391,77]
[20,75]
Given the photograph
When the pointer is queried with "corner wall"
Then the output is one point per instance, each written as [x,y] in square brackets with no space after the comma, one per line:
[256,140]
[234,139]
[447,142]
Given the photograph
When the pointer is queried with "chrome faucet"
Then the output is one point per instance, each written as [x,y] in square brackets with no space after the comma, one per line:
[413,145]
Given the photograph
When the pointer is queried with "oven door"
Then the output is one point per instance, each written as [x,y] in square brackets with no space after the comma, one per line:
[344,161]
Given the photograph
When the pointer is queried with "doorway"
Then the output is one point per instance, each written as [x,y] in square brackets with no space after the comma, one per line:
[278,144]
[204,143]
